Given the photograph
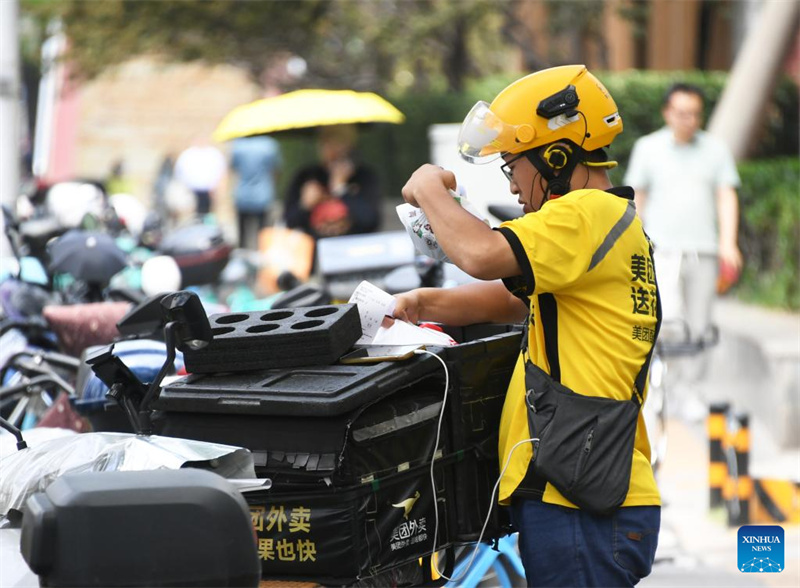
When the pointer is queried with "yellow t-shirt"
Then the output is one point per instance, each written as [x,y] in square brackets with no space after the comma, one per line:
[606,318]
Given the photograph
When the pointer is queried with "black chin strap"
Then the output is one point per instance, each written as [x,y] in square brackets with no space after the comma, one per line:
[557,183]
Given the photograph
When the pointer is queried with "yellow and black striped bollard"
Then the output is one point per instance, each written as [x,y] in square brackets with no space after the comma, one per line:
[717,466]
[742,485]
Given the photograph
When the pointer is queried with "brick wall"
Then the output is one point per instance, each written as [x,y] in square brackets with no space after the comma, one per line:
[143,110]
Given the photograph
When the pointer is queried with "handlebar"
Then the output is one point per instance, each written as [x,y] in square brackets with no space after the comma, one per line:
[505,212]
[33,324]
[52,357]
[36,382]
[686,345]
[41,362]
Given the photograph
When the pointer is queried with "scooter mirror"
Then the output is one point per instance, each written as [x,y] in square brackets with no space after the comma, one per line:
[191,327]
[146,319]
[111,370]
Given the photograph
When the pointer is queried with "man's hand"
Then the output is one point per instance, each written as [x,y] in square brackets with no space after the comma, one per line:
[426,180]
[468,241]
[728,218]
[730,255]
[340,172]
[407,307]
[311,194]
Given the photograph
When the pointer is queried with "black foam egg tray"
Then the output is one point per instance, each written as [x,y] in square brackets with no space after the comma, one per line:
[243,341]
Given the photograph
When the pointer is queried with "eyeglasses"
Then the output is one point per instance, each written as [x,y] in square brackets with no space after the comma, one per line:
[506,168]
[687,114]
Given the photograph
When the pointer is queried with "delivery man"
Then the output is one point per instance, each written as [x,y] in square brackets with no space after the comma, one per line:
[577,268]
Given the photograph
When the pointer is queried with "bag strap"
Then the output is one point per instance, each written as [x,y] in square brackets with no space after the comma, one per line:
[549,311]
[641,377]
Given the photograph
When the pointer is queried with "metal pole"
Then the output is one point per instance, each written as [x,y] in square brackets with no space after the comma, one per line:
[49,89]
[740,110]
[9,111]
[743,489]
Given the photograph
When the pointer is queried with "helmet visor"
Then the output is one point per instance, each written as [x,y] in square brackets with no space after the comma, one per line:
[484,136]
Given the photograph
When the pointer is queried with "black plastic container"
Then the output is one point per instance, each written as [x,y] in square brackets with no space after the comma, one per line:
[342,436]
[339,535]
[480,371]
[302,439]
[147,528]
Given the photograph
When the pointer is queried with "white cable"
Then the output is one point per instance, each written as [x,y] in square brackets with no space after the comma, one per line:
[435,449]
[433,482]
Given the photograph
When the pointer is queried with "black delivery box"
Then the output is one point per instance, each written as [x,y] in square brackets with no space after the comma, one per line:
[349,447]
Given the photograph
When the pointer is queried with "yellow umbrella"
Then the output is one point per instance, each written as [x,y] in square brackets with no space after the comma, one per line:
[304,109]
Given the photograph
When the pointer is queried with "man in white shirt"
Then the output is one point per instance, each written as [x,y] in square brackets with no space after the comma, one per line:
[685,182]
[201,168]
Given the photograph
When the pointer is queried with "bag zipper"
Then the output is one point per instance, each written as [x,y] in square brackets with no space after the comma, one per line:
[584,455]
[587,447]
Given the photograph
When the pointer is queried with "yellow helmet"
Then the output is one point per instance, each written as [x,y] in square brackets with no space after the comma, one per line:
[556,104]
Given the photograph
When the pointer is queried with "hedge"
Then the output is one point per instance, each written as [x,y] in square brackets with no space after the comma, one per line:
[769,233]
[395,151]
[769,194]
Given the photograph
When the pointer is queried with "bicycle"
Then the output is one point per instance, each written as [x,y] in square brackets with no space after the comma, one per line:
[655,410]
[31,381]
[494,565]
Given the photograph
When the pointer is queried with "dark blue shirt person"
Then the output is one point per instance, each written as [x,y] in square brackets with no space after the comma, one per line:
[256,161]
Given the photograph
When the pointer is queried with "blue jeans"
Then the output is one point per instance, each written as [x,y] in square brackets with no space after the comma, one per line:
[563,546]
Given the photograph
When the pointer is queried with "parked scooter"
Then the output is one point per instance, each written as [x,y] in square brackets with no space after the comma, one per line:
[160,528]
[200,251]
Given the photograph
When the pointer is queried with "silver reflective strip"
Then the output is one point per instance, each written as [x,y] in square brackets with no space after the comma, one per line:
[614,234]
[397,423]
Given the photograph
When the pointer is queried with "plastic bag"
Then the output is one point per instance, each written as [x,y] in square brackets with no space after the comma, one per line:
[33,469]
[419,229]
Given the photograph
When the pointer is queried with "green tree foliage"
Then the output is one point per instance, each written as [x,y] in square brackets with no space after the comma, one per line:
[769,235]
[108,32]
[580,23]
[360,44]
[401,44]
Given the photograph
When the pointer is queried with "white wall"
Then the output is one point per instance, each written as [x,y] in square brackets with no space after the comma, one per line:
[484,184]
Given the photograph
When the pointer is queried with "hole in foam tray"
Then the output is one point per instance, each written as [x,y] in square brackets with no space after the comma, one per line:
[277,315]
[222,331]
[321,311]
[230,318]
[263,328]
[307,325]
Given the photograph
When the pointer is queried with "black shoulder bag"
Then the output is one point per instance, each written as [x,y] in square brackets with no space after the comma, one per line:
[585,443]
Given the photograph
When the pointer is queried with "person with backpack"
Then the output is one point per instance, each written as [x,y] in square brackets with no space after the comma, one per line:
[577,270]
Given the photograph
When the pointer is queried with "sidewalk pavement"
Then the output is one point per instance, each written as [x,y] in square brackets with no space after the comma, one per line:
[696,547]
[777,331]
[756,368]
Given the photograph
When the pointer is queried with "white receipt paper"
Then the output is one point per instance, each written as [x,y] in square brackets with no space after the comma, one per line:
[373,306]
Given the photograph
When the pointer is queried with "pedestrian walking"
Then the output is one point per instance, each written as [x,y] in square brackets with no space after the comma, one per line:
[201,168]
[255,161]
[685,181]
[577,270]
